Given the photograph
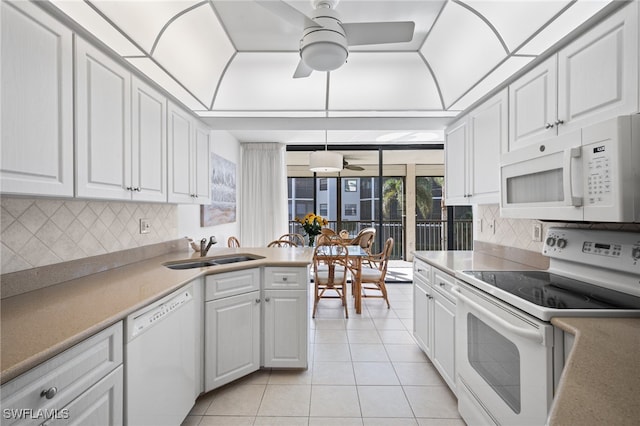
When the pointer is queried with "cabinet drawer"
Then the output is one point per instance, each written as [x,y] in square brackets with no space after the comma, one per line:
[231,283]
[286,278]
[444,283]
[422,270]
[70,373]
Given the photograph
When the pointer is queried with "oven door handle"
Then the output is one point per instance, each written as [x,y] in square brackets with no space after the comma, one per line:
[528,334]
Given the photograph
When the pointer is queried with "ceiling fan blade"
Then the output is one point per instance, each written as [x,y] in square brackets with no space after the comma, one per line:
[302,70]
[359,33]
[355,168]
[288,13]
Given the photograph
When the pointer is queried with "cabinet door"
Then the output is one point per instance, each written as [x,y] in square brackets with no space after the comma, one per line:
[103,125]
[422,315]
[37,102]
[533,105]
[180,133]
[456,164]
[598,73]
[232,338]
[488,134]
[202,165]
[102,404]
[285,328]
[444,322]
[149,143]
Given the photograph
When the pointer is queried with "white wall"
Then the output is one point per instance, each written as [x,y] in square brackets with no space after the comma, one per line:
[228,147]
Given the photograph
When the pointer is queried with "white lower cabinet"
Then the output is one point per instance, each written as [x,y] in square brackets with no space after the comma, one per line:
[285,328]
[255,318]
[232,326]
[232,338]
[82,385]
[422,314]
[444,328]
[434,318]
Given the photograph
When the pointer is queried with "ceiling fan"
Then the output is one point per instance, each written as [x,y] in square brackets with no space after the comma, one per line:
[346,165]
[325,41]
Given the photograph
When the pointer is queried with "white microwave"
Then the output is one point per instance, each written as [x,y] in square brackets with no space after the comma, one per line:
[591,174]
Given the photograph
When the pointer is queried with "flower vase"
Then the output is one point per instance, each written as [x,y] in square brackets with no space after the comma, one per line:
[311,240]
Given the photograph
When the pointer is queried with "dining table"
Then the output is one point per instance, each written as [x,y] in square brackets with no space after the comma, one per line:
[356,254]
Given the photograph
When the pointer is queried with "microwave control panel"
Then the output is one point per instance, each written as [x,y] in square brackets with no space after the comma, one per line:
[598,163]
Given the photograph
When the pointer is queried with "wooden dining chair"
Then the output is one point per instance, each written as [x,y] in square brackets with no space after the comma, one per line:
[297,239]
[364,239]
[330,270]
[233,242]
[282,243]
[344,234]
[372,276]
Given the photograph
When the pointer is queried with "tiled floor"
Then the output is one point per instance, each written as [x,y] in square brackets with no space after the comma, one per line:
[364,370]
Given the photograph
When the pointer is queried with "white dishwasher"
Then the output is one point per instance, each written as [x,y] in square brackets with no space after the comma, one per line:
[160,361]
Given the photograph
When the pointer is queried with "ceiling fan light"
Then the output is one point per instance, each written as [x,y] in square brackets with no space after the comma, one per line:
[324,56]
[325,161]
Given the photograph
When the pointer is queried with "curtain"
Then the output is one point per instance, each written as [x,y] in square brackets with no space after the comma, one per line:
[264,199]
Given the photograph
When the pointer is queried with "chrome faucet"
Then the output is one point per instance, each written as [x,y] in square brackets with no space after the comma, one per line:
[204,247]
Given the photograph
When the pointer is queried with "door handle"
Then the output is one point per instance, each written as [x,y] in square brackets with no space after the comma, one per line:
[569,156]
[489,316]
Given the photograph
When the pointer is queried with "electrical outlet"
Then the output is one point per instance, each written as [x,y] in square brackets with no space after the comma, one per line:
[479,225]
[536,232]
[145,226]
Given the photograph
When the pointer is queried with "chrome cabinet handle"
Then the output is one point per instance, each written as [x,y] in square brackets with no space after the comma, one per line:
[442,284]
[267,299]
[548,126]
[137,189]
[257,300]
[129,188]
[284,278]
[559,122]
[49,393]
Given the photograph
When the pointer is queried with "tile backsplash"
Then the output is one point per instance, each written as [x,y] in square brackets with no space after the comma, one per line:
[38,232]
[518,232]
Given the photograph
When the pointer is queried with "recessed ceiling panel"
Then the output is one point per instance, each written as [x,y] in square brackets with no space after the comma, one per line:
[263,81]
[142,20]
[90,20]
[195,49]
[516,21]
[571,19]
[461,49]
[499,76]
[157,74]
[383,81]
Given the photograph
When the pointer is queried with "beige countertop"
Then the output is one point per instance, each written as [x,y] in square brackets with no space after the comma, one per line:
[37,325]
[452,262]
[600,384]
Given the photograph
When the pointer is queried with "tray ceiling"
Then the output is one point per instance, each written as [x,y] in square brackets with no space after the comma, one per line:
[234,60]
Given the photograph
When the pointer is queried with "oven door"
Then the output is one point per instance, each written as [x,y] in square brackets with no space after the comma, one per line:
[504,359]
[544,181]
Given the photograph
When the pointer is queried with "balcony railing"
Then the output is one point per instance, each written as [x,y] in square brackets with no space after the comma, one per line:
[430,234]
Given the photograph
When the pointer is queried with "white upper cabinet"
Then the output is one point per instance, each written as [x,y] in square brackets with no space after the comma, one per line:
[472,153]
[37,102]
[103,125]
[456,163]
[121,131]
[148,143]
[189,158]
[593,78]
[533,107]
[598,73]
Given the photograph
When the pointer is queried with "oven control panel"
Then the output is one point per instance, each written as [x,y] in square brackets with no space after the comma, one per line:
[606,249]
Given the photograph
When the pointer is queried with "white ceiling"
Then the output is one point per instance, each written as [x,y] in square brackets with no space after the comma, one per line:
[232,62]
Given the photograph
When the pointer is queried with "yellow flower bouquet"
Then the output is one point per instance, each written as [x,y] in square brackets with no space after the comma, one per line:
[312,225]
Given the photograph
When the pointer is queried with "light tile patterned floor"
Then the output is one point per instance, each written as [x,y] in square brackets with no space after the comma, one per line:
[365,370]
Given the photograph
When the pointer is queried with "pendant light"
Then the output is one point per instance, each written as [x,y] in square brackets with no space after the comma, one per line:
[325,161]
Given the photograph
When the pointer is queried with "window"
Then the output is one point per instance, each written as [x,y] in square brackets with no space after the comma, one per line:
[351,185]
[350,209]
[323,184]
[323,210]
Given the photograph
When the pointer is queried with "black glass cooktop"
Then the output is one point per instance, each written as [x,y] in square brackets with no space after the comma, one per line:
[555,291]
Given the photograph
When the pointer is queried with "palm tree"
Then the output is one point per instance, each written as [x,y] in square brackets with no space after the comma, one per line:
[392,198]
[424,195]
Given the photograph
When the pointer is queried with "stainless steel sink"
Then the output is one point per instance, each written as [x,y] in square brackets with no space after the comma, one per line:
[214,261]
